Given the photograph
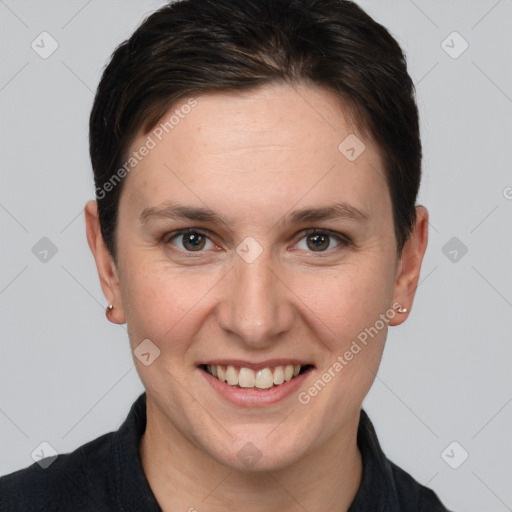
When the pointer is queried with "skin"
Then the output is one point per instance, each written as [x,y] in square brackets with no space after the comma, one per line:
[253,157]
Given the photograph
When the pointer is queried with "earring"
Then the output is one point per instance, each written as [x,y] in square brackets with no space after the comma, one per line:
[109,310]
[401,310]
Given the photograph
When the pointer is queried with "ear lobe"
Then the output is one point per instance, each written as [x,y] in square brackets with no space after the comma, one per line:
[409,267]
[107,271]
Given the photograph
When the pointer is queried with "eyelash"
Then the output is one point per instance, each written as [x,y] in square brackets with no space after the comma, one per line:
[344,240]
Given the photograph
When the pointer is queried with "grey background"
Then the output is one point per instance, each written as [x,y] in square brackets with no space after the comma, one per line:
[67,375]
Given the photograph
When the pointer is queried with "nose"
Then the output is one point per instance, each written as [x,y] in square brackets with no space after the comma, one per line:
[257,306]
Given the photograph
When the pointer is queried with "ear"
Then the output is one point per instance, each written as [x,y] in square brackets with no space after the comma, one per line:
[105,265]
[408,271]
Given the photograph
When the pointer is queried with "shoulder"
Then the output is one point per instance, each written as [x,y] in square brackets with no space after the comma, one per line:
[412,495]
[73,481]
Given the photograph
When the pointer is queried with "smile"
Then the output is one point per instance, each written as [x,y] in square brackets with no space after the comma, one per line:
[263,379]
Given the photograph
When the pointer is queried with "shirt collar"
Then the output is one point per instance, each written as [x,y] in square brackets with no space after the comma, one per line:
[377,482]
[131,490]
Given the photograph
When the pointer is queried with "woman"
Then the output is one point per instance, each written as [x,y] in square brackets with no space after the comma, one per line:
[256,165]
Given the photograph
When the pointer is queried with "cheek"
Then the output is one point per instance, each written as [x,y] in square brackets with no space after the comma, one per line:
[351,313]
[171,305]
[346,302]
[165,305]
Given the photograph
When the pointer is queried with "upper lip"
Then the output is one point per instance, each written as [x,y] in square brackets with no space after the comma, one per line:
[269,363]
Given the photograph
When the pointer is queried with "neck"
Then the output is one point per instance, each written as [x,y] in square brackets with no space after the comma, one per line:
[184,477]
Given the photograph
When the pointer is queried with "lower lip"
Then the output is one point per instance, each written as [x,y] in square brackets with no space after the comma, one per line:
[250,397]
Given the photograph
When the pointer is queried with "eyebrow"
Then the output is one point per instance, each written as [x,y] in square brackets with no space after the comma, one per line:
[177,211]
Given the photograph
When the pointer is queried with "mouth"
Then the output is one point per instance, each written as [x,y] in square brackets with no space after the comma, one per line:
[263,378]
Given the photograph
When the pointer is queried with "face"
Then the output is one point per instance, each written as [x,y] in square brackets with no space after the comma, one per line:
[248,243]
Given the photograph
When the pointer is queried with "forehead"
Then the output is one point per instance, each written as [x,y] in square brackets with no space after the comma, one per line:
[277,144]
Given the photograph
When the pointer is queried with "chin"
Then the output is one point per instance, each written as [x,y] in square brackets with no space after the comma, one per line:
[258,451]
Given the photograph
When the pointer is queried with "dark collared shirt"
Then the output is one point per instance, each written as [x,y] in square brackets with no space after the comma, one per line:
[106,475]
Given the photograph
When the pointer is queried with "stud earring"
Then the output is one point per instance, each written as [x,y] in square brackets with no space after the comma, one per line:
[401,310]
[109,310]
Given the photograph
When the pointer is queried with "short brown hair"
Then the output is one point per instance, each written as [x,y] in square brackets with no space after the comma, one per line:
[190,47]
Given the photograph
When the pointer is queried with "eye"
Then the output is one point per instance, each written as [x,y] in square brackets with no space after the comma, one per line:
[319,240]
[192,240]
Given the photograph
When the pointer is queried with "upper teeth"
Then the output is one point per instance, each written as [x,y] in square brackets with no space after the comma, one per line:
[248,378]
